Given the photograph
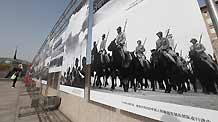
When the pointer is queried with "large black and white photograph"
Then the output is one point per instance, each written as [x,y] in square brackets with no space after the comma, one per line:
[154,58]
[57,52]
[41,63]
[73,70]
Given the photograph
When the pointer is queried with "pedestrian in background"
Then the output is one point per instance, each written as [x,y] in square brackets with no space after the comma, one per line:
[17,71]
[14,78]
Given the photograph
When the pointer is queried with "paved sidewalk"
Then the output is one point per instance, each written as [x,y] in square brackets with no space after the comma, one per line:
[15,106]
[10,101]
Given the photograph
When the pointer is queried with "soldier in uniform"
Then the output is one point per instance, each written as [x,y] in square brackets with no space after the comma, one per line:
[140,52]
[94,51]
[163,46]
[121,42]
[171,40]
[103,43]
[102,47]
[182,62]
[199,49]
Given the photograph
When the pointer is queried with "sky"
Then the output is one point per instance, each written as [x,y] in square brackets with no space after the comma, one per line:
[26,24]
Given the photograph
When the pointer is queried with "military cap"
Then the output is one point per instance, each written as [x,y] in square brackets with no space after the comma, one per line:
[153,50]
[193,40]
[119,28]
[159,33]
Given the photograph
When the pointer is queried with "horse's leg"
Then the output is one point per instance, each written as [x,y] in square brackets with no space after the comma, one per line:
[204,86]
[184,88]
[146,83]
[216,80]
[94,83]
[212,87]
[161,85]
[180,87]
[174,85]
[209,86]
[104,80]
[115,81]
[153,84]
[121,80]
[98,82]
[125,82]
[113,76]
[112,85]
[138,83]
[188,85]
[121,83]
[131,82]
[134,85]
[141,82]
[193,82]
[179,90]
[106,77]
[168,86]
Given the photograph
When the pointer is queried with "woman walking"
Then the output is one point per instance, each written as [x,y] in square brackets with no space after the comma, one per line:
[14,77]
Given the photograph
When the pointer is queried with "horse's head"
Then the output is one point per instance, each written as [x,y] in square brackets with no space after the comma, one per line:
[154,56]
[159,59]
[193,55]
[112,46]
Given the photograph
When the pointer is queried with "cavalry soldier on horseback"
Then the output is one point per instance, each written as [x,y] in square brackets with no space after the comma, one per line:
[140,49]
[103,44]
[198,49]
[182,61]
[94,51]
[163,46]
[121,42]
[102,50]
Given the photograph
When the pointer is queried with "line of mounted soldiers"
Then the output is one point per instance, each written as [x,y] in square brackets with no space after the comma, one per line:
[162,47]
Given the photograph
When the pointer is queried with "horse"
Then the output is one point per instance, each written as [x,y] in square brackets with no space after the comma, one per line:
[163,69]
[101,68]
[206,74]
[139,72]
[120,64]
[157,71]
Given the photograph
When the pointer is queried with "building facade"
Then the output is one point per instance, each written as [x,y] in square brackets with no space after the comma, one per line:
[210,29]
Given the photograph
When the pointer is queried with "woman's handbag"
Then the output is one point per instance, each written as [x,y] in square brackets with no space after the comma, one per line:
[13,76]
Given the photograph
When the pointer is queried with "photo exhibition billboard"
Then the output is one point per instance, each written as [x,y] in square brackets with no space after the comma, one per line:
[154,58]
[74,59]
[57,53]
[41,63]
